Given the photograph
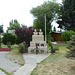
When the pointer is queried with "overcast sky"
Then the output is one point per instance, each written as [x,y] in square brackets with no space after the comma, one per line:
[18,9]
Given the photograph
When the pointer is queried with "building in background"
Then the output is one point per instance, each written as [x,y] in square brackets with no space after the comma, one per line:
[56,36]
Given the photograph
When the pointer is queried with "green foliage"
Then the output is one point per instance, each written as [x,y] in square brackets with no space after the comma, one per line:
[9,44]
[54,29]
[49,43]
[48,8]
[9,39]
[55,48]
[13,24]
[5,71]
[50,39]
[21,48]
[67,34]
[1,39]
[17,40]
[67,15]
[71,47]
[1,28]
[1,31]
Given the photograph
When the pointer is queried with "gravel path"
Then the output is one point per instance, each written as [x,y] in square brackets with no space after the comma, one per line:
[31,61]
[6,64]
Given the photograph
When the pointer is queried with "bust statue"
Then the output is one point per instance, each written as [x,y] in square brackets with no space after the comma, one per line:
[35,32]
[40,33]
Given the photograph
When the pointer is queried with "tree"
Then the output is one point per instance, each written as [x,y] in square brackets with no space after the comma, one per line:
[54,29]
[24,34]
[67,34]
[48,8]
[9,39]
[1,31]
[13,24]
[1,28]
[71,47]
[67,18]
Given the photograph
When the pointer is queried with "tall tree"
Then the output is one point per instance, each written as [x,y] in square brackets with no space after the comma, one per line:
[48,8]
[13,24]
[67,17]
[1,31]
[1,28]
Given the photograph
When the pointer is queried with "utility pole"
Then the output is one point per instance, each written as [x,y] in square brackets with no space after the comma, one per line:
[45,26]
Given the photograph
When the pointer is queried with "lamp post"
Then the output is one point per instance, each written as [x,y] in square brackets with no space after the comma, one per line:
[0,39]
[45,27]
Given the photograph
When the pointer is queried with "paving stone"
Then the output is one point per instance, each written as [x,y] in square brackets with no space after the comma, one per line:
[6,64]
[31,61]
[2,73]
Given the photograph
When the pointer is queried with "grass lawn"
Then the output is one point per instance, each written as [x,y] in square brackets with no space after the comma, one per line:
[56,64]
[3,46]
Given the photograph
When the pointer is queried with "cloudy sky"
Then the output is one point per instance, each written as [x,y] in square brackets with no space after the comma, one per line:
[18,9]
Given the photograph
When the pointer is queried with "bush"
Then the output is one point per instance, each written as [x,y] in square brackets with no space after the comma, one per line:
[71,47]
[9,39]
[17,40]
[1,39]
[9,45]
[66,35]
[49,39]
[21,48]
[55,48]
[50,43]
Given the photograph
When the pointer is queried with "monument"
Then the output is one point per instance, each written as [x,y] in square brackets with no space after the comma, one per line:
[37,41]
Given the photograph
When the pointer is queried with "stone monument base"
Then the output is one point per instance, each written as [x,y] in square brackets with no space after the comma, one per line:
[37,45]
[40,50]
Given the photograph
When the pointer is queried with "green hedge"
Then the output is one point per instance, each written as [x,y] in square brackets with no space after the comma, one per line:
[67,34]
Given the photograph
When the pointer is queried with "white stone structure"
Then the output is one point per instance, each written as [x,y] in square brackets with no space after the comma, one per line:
[11,31]
[37,40]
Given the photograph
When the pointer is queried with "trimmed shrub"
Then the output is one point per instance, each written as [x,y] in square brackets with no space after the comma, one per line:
[55,48]
[9,39]
[67,34]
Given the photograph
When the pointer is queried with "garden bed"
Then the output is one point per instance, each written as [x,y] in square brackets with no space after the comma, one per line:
[4,49]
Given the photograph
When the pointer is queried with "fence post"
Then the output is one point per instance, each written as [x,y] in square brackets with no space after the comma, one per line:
[36,50]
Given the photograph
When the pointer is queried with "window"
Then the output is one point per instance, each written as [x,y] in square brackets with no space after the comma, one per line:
[42,44]
[37,44]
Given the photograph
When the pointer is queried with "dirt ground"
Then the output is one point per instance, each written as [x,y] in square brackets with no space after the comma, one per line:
[56,64]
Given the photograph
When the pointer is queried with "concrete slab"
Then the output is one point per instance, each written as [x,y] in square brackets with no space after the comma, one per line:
[6,64]
[2,73]
[31,61]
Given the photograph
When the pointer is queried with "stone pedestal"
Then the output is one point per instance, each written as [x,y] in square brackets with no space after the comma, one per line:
[37,40]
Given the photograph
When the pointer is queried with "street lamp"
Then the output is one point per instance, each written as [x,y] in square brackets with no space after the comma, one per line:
[45,26]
